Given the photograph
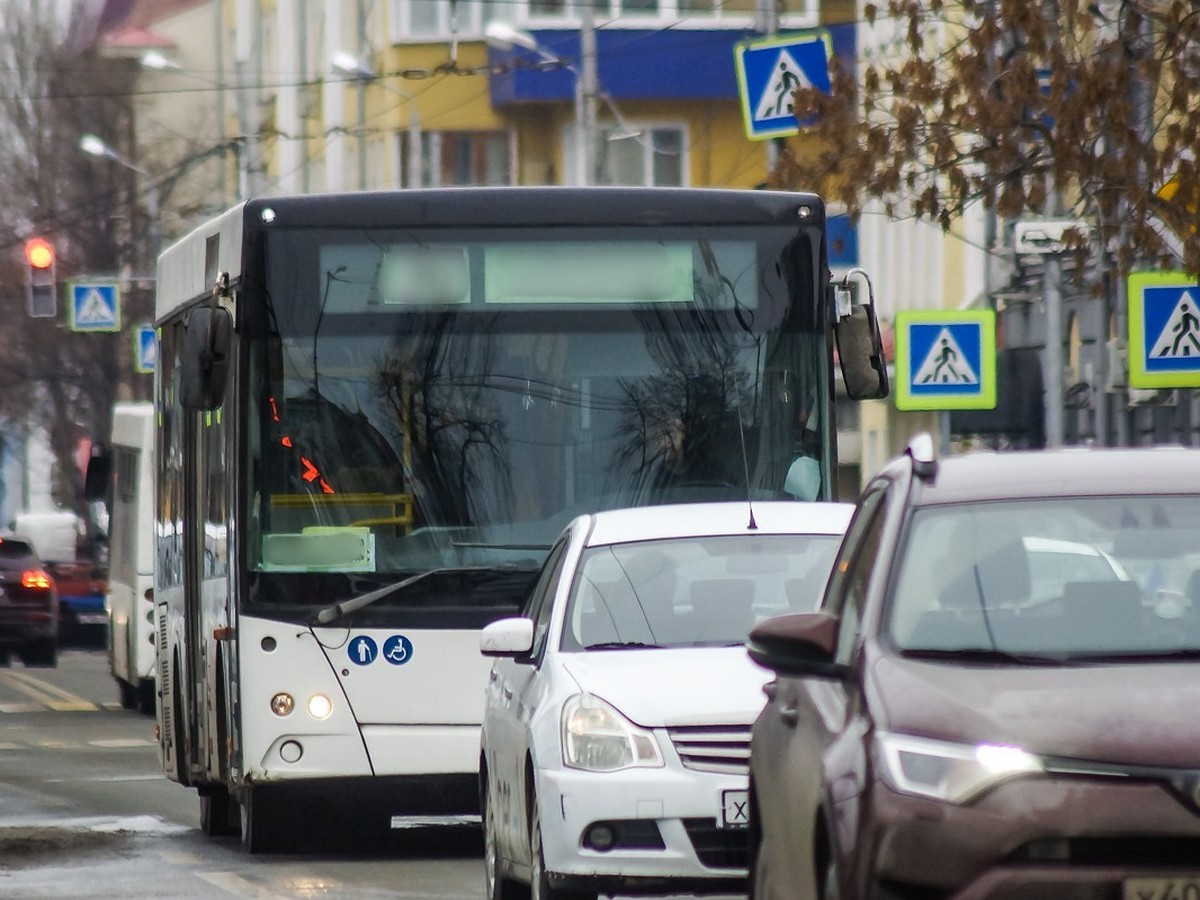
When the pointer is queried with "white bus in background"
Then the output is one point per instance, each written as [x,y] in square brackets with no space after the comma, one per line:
[374,414]
[129,601]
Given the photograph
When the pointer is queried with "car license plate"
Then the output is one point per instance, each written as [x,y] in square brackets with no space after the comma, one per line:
[735,810]
[1180,887]
[92,618]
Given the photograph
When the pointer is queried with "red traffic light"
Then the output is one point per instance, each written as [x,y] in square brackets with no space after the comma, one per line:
[40,253]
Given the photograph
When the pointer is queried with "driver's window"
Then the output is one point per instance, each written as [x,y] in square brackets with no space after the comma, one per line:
[852,571]
[541,600]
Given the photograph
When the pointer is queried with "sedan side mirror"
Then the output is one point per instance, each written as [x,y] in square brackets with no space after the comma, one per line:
[507,638]
[800,644]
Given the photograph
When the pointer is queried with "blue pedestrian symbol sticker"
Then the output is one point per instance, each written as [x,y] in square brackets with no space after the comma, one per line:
[363,650]
[397,649]
[1164,330]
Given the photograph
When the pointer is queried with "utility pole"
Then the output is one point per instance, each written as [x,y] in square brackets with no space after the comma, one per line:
[1052,296]
[767,21]
[586,80]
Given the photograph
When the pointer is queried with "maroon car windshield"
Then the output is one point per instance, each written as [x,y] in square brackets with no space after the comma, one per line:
[1062,578]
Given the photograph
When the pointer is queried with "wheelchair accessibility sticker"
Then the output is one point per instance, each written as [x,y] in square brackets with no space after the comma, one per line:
[397,649]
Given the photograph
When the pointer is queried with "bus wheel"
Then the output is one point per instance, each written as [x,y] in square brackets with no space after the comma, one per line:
[128,694]
[217,812]
[145,698]
[261,831]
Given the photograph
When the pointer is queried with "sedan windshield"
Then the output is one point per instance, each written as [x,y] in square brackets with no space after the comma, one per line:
[1068,578]
[687,592]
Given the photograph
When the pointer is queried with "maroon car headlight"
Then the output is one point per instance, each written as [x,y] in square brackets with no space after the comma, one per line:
[954,773]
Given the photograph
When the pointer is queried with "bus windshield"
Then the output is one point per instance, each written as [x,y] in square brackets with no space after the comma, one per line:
[448,399]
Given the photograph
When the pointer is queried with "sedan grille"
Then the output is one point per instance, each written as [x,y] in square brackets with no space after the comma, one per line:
[713,748]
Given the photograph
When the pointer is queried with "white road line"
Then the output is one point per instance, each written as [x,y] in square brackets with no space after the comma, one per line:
[52,696]
[20,707]
[116,743]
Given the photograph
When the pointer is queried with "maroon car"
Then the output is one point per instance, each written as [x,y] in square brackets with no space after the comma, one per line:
[999,695]
[28,606]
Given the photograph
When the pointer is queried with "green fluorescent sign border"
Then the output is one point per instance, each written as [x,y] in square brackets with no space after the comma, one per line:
[1136,286]
[986,398]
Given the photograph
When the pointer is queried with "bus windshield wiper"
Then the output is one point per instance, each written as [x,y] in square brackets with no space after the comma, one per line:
[333,613]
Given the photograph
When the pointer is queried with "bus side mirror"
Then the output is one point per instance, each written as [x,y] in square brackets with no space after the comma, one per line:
[99,470]
[205,362]
[860,350]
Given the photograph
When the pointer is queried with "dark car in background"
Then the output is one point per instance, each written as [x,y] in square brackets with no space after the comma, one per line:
[28,606]
[997,697]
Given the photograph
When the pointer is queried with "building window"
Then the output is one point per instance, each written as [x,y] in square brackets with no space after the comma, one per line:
[651,156]
[425,19]
[637,13]
[457,158]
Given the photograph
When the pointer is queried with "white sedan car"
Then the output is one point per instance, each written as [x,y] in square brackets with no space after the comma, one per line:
[616,733]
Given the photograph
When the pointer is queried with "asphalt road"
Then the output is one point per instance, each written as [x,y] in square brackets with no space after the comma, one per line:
[86,813]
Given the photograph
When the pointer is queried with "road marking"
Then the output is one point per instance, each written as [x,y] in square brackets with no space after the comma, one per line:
[51,696]
[240,886]
[116,743]
[21,707]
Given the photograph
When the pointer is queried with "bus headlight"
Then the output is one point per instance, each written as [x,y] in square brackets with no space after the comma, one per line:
[282,704]
[320,706]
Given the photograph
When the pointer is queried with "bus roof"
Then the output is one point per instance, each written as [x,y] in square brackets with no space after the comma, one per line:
[187,269]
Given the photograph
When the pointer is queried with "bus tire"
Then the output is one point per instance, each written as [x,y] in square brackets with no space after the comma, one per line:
[261,831]
[217,815]
[145,697]
[41,654]
[128,694]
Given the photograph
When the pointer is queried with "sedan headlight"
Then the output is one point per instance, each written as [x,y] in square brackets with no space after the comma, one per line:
[597,738]
[954,773]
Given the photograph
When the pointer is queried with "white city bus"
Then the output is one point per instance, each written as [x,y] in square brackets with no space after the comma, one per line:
[376,412]
[129,599]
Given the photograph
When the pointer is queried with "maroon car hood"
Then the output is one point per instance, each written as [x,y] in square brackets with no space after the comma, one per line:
[1135,714]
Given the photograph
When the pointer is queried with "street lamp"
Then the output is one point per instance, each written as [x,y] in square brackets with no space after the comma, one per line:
[95,146]
[504,37]
[358,70]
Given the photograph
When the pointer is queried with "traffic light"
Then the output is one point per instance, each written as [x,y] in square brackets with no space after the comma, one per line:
[43,284]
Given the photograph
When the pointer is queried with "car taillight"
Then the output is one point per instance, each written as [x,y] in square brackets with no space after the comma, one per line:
[35,578]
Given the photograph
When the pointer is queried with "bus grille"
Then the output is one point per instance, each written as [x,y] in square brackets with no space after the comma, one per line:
[164,674]
[713,748]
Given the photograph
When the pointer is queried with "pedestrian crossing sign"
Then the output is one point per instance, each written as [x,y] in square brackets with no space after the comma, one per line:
[95,306]
[770,71]
[946,359]
[145,350]
[1164,330]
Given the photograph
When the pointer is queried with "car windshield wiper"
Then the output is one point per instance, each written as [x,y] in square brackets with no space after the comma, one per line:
[984,655]
[623,645]
[336,611]
[1178,654]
